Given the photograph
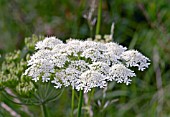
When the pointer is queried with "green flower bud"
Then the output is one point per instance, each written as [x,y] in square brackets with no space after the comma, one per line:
[25,89]
[14,65]
[9,80]
[15,56]
[25,78]
[28,57]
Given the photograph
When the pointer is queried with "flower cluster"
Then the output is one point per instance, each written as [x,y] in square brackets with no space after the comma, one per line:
[13,66]
[83,64]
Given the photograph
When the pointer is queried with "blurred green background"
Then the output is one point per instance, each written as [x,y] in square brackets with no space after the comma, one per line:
[139,24]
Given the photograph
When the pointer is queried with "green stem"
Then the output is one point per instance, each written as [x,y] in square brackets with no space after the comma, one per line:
[44,110]
[80,103]
[99,17]
[72,104]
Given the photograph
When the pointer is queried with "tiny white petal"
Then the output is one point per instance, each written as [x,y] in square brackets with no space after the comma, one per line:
[136,59]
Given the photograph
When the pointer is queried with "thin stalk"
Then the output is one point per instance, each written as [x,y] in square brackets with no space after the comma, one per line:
[99,17]
[90,96]
[80,103]
[44,110]
[89,101]
[72,104]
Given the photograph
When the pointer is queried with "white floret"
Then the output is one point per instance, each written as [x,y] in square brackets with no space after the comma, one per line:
[48,42]
[89,80]
[120,74]
[136,59]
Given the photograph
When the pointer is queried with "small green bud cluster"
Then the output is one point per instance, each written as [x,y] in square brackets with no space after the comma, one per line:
[13,67]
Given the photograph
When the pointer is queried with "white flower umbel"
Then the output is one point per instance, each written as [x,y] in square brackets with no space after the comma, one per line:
[57,83]
[115,48]
[135,58]
[89,80]
[83,65]
[92,53]
[101,67]
[120,74]
[48,42]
